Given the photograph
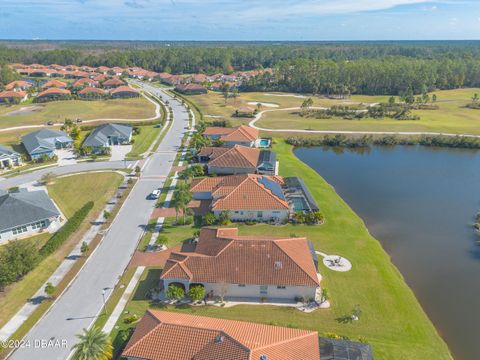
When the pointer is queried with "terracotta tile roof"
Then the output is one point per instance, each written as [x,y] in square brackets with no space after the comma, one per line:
[164,335]
[103,69]
[236,157]
[101,77]
[52,91]
[90,90]
[12,94]
[113,82]
[239,133]
[85,81]
[190,87]
[250,260]
[242,192]
[54,83]
[17,84]
[121,89]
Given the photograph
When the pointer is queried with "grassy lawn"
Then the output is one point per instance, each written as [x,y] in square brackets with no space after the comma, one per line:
[70,194]
[58,111]
[392,320]
[144,139]
[452,116]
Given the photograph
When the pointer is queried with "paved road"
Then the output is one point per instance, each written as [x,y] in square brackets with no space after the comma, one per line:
[301,131]
[78,307]
[6,183]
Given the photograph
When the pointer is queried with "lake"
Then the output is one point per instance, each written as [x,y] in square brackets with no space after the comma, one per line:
[420,203]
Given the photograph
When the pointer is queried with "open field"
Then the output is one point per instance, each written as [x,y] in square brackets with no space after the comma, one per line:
[392,320]
[451,117]
[70,193]
[58,111]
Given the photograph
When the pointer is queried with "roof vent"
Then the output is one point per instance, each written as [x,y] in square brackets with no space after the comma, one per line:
[278,265]
[219,339]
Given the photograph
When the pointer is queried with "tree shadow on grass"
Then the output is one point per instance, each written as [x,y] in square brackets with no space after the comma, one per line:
[150,281]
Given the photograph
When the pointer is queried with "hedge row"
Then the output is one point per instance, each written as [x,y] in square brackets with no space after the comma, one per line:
[68,229]
[133,123]
[389,140]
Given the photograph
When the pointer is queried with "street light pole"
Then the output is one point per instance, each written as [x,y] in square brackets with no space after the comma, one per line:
[104,303]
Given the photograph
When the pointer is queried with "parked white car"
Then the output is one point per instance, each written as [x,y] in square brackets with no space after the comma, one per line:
[155,194]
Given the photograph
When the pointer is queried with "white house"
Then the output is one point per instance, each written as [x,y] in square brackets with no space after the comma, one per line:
[246,267]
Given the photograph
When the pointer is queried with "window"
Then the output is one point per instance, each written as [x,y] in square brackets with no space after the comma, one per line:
[276,212]
[263,289]
[241,285]
[259,214]
[278,265]
[281,287]
[19,230]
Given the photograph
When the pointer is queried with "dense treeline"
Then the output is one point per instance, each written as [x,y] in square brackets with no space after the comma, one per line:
[392,76]
[326,68]
[461,142]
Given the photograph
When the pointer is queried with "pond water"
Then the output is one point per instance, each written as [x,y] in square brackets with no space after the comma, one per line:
[420,203]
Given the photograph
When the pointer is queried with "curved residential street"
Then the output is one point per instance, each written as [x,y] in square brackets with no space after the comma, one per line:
[301,131]
[78,307]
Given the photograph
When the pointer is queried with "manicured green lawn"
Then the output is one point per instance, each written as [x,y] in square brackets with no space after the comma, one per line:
[143,140]
[451,117]
[392,320]
[58,111]
[70,193]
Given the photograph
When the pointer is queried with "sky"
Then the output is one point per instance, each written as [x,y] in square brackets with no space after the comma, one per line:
[271,20]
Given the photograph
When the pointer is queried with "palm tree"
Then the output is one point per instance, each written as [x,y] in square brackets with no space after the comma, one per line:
[94,345]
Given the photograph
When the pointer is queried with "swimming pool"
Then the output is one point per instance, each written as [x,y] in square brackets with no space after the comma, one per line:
[264,143]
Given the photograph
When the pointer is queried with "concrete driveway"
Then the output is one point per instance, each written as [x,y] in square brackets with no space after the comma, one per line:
[65,157]
[118,152]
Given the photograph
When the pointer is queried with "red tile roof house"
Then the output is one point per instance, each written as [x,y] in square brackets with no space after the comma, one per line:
[18,85]
[91,93]
[191,89]
[246,197]
[54,84]
[117,71]
[246,268]
[113,83]
[238,160]
[85,82]
[240,135]
[103,70]
[12,97]
[53,94]
[101,77]
[124,92]
[162,335]
[172,80]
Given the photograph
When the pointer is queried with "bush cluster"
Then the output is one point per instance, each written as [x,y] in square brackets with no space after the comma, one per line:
[366,141]
[68,229]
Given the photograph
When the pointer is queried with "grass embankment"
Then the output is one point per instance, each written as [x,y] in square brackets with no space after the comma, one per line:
[70,193]
[451,116]
[143,140]
[392,320]
[57,111]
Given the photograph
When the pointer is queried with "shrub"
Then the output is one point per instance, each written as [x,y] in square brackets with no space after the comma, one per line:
[196,293]
[209,219]
[17,258]
[174,292]
[224,218]
[68,229]
[50,289]
[130,319]
[162,240]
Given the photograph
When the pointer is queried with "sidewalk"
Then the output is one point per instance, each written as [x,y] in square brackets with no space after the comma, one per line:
[117,312]
[32,304]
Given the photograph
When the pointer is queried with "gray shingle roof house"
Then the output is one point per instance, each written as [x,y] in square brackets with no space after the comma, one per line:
[109,134]
[45,142]
[25,213]
[9,158]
